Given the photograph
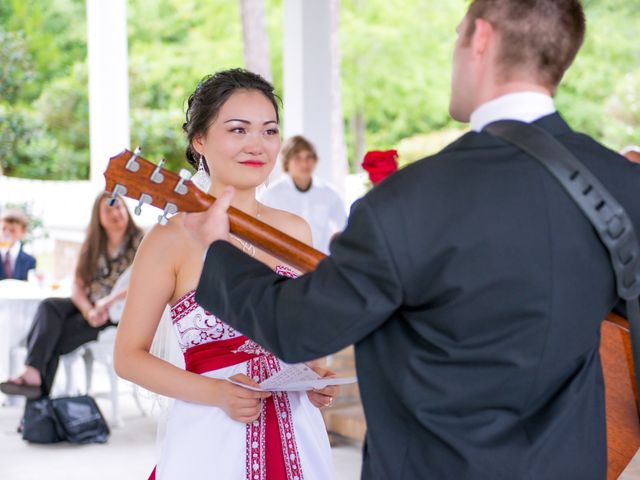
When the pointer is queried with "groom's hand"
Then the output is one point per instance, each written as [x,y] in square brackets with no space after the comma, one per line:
[212,224]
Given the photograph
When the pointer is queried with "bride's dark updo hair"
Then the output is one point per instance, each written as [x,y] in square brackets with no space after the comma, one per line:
[211,93]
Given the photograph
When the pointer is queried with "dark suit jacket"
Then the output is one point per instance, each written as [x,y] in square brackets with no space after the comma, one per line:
[24,263]
[473,289]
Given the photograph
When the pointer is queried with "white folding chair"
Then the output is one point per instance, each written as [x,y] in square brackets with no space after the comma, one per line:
[101,351]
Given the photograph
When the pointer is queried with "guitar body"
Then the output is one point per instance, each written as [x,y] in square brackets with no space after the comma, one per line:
[623,426]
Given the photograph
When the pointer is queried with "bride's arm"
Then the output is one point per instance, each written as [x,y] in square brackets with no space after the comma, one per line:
[152,285]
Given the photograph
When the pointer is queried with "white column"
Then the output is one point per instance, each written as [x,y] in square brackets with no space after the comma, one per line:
[108,83]
[308,84]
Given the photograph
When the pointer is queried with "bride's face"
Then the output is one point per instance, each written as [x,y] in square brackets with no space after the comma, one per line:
[242,143]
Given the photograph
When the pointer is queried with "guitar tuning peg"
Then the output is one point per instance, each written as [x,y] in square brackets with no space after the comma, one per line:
[169,209]
[181,188]
[132,165]
[157,176]
[118,190]
[144,198]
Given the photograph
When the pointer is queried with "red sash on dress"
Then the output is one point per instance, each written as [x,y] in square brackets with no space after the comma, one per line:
[271,449]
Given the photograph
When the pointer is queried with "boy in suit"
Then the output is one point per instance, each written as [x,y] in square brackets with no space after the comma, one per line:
[15,263]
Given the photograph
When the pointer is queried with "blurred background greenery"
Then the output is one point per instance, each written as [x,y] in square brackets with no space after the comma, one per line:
[395,76]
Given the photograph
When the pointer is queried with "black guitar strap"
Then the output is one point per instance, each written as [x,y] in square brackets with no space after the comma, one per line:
[607,216]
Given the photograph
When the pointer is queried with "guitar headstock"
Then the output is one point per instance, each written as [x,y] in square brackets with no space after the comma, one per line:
[131,176]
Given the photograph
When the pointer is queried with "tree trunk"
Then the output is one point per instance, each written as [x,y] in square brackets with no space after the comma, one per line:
[339,150]
[357,126]
[256,41]
[357,121]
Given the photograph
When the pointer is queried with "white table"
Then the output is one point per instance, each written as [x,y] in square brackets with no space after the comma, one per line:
[18,303]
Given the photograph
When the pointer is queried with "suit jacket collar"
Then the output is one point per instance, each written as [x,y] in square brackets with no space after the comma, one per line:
[553,123]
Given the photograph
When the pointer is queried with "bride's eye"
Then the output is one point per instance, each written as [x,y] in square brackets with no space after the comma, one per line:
[238,130]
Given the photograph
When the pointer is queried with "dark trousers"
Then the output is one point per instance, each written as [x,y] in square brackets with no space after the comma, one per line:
[58,328]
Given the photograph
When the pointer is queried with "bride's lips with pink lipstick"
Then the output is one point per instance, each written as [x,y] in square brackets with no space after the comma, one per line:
[253,163]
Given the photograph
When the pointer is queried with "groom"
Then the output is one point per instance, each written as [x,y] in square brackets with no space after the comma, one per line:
[469,282]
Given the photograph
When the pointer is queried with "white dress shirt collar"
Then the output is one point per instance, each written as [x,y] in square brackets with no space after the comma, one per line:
[524,106]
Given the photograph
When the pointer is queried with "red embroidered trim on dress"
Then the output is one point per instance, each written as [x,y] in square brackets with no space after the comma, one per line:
[195,326]
[286,271]
[261,368]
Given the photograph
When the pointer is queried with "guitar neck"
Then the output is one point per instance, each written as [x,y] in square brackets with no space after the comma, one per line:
[132,176]
[273,241]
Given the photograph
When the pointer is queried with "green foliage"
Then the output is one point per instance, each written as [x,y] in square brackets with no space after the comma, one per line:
[56,34]
[419,146]
[623,112]
[44,118]
[15,65]
[396,61]
[23,143]
[395,66]
[159,134]
[602,71]
[171,49]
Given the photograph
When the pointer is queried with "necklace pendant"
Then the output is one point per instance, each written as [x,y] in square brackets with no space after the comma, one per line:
[247,247]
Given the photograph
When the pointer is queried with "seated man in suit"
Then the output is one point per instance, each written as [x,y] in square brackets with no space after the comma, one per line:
[15,263]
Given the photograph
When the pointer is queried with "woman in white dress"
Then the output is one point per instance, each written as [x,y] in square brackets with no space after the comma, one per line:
[218,429]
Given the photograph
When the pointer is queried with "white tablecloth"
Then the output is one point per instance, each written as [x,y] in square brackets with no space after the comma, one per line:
[18,303]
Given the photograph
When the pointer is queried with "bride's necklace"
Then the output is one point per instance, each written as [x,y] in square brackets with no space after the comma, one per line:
[247,247]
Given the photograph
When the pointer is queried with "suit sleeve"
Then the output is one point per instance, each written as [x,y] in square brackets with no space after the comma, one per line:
[349,295]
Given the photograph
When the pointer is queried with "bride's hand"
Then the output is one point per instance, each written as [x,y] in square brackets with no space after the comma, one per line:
[323,397]
[241,404]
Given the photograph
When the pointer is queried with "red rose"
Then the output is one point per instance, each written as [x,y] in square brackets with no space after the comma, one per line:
[379,164]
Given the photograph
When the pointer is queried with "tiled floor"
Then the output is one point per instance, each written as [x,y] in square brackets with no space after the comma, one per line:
[129,454]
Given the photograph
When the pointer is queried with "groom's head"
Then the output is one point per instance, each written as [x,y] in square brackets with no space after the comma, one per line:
[509,41]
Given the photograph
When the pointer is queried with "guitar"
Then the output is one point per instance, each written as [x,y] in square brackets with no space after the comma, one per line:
[129,175]
[623,428]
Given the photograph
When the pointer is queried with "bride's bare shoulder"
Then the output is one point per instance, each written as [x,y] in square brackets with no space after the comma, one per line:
[287,222]
[168,238]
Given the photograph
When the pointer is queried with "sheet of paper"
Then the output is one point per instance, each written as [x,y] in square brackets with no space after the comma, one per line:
[295,378]
[289,374]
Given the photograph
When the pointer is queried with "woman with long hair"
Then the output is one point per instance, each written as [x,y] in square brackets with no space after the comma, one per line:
[61,325]
[218,429]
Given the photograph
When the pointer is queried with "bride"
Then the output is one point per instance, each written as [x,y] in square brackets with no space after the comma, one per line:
[218,429]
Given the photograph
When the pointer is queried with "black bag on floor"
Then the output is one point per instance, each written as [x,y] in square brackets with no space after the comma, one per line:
[39,424]
[74,419]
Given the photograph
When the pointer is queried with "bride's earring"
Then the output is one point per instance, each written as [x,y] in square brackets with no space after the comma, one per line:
[202,179]
[201,166]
